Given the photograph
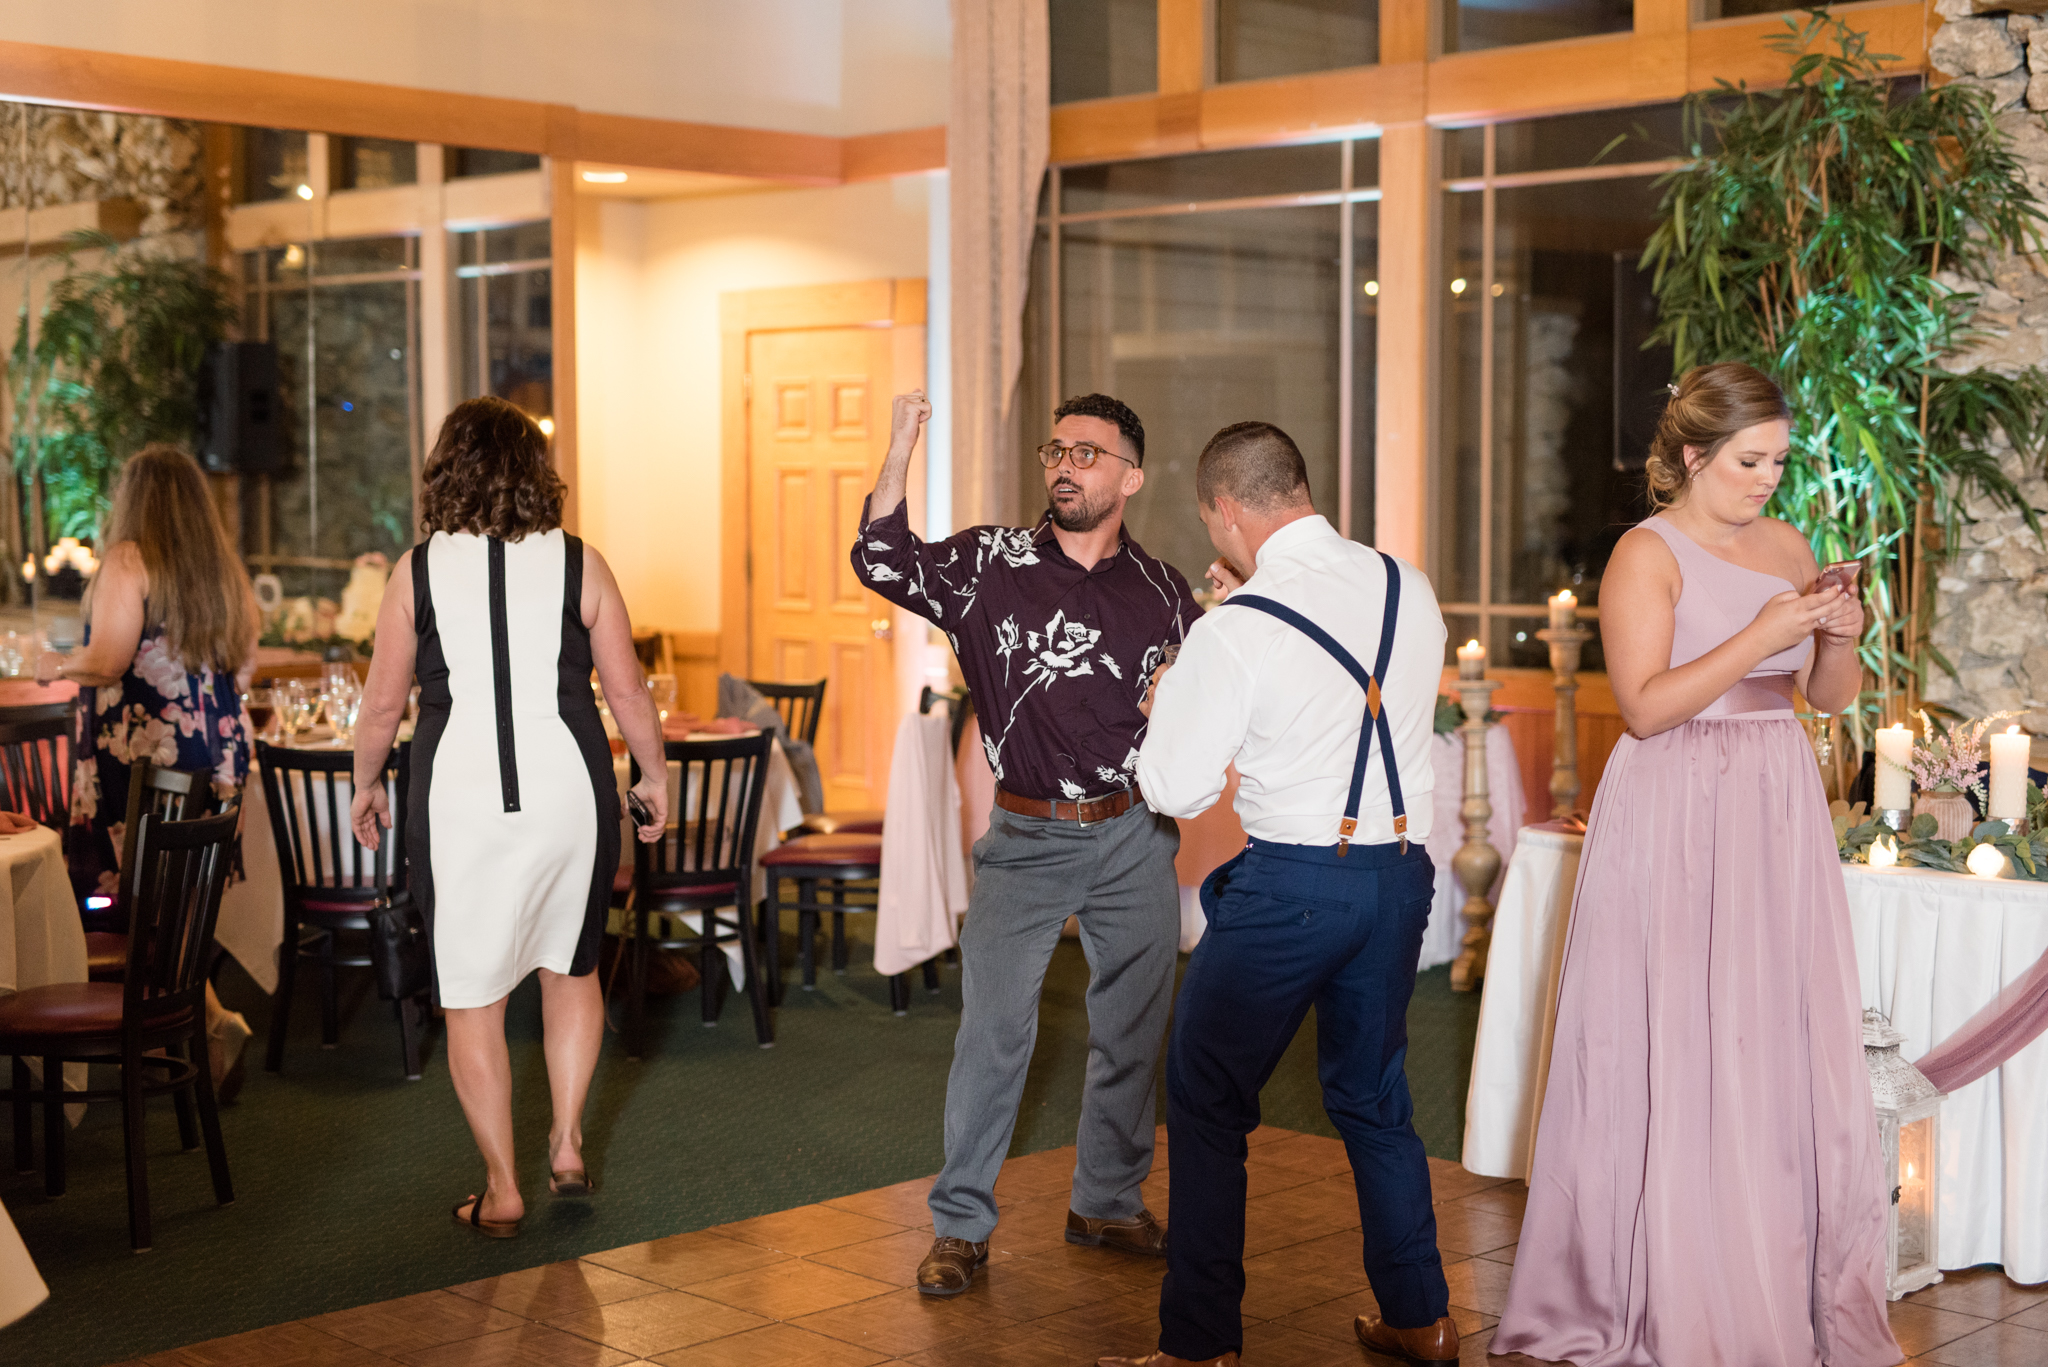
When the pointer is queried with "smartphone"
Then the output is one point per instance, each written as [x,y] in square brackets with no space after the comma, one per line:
[638,810]
[1842,574]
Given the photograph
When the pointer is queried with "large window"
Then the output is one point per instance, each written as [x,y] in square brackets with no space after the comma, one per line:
[1103,47]
[505,307]
[1206,290]
[1548,395]
[1470,25]
[1262,38]
[345,318]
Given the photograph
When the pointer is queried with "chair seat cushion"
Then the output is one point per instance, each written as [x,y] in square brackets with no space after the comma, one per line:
[667,890]
[826,851]
[67,1010]
[843,823]
[106,956]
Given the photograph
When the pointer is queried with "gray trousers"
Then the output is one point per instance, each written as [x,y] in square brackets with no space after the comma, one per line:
[1031,873]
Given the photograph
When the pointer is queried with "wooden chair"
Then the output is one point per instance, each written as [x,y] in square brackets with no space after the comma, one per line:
[35,760]
[154,1020]
[167,795]
[332,885]
[958,706]
[800,706]
[703,864]
[847,868]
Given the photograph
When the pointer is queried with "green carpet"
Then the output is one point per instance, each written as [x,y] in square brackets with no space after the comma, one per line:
[344,1172]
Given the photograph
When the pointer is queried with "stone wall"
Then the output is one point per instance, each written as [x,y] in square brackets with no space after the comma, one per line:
[1991,607]
[78,155]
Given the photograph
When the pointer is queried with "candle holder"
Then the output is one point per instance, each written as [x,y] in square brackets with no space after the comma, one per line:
[1898,818]
[1477,862]
[1565,644]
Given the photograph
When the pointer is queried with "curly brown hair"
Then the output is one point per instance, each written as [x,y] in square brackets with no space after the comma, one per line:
[1709,404]
[489,475]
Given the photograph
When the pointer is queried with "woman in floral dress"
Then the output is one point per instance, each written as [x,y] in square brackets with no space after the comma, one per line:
[170,644]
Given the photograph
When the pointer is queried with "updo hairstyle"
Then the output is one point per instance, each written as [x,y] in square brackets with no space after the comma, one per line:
[1709,404]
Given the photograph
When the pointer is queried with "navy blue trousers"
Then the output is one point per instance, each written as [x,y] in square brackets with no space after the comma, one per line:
[1294,926]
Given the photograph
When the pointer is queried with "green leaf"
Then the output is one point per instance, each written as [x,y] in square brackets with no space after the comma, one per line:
[1923,827]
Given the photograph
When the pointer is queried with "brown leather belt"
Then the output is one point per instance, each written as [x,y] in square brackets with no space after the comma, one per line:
[1087,813]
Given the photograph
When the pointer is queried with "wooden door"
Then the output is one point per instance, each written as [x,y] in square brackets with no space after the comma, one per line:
[818,426]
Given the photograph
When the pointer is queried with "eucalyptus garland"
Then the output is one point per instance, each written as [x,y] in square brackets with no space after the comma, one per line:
[2026,856]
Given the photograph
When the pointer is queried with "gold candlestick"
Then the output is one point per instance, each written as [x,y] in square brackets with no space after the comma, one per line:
[1565,644]
[1477,862]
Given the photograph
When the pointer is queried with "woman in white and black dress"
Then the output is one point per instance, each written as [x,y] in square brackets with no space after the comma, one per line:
[512,833]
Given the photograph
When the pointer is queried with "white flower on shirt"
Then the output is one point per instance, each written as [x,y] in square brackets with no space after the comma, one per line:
[1072,790]
[878,545]
[1131,761]
[1008,642]
[882,574]
[1011,545]
[1062,652]
[1110,665]
[995,756]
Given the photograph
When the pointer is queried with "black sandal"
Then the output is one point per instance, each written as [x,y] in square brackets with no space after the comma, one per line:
[571,1182]
[490,1229]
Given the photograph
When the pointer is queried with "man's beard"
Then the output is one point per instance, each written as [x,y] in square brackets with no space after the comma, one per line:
[1082,515]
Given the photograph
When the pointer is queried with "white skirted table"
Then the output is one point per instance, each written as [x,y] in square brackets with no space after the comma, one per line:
[1932,949]
[42,938]
[21,1286]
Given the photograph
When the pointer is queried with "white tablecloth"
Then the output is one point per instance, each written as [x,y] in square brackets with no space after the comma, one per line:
[1446,931]
[21,1287]
[1931,950]
[42,938]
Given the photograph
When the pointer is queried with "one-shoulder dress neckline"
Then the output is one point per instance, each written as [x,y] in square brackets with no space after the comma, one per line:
[1702,548]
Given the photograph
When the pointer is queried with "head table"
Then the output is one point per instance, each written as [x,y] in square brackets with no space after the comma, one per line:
[1932,949]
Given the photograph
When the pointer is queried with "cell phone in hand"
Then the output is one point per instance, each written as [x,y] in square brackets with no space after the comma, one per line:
[638,810]
[1842,575]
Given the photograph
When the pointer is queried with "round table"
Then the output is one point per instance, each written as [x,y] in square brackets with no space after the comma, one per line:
[1932,949]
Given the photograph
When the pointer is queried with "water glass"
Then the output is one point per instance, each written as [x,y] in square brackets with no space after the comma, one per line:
[662,688]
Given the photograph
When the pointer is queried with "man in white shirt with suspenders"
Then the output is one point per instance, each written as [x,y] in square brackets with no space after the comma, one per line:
[1317,676]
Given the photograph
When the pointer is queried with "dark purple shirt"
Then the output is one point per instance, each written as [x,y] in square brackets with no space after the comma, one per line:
[1056,656]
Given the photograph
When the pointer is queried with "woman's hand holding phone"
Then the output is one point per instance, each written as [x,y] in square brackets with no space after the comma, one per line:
[647,805]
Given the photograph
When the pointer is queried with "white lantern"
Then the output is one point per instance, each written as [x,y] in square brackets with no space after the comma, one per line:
[1909,1130]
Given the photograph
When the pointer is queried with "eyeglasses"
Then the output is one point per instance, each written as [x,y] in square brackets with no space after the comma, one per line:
[1084,454]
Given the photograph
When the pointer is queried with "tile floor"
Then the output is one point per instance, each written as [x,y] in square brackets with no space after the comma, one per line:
[833,1285]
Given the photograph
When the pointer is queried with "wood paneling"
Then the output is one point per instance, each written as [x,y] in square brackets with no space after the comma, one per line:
[1403,411]
[1185,31]
[1584,73]
[695,654]
[1528,701]
[805,158]
[1306,107]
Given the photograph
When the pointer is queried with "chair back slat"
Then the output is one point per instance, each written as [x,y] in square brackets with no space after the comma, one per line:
[799,705]
[168,795]
[711,839]
[174,891]
[36,744]
[309,792]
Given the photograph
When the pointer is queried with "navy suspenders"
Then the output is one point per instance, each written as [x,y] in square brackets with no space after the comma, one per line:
[1375,712]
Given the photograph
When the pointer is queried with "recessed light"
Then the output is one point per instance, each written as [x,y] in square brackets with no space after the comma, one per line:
[1458,285]
[605,177]
[304,191]
[1372,287]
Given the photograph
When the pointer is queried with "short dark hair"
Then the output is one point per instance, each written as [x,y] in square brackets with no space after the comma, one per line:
[1255,463]
[489,474]
[1111,411]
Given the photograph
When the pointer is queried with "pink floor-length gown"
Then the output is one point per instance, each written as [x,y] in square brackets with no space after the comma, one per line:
[1707,1189]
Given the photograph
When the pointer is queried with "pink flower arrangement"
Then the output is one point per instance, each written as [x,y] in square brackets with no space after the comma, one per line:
[1950,762]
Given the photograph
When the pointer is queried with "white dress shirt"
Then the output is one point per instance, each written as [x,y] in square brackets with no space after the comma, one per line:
[1252,689]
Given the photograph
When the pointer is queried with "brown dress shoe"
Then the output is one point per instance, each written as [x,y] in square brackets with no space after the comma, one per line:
[1437,1343]
[1141,1233]
[950,1267]
[1167,1360]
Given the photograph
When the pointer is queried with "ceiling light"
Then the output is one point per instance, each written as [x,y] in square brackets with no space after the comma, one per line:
[1372,287]
[605,177]
[304,191]
[1498,290]
[547,427]
[1458,285]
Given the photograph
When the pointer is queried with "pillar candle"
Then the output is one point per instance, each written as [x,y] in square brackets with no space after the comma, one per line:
[2009,775]
[1894,780]
[1471,660]
[1563,611]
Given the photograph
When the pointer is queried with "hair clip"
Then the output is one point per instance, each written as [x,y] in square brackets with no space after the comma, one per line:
[1672,390]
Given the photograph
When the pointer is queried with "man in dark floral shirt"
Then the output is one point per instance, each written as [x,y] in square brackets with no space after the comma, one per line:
[1058,629]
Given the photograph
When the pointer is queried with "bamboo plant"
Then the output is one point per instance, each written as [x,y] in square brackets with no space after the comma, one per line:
[1808,235]
[113,365]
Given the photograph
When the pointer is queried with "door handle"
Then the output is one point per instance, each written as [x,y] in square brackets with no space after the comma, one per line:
[882,629]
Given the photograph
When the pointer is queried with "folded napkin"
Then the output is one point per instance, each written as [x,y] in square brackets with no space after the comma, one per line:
[14,823]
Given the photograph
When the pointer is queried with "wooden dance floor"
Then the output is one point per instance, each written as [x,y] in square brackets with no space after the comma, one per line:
[834,1285]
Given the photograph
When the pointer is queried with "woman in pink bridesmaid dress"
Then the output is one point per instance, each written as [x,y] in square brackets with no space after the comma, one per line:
[1707,1186]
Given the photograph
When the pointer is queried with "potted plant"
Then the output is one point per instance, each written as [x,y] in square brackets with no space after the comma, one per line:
[1818,233]
[1945,768]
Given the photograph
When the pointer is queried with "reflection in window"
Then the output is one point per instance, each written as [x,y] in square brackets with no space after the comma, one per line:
[1206,176]
[481,161]
[1260,38]
[273,164]
[373,163]
[1736,9]
[1103,47]
[1608,137]
[346,360]
[503,301]
[1548,397]
[1506,23]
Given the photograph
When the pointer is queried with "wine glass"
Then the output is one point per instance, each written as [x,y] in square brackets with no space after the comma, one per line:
[296,707]
[662,688]
[262,705]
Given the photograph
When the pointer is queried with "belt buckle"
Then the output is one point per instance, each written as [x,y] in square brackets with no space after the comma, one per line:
[1083,822]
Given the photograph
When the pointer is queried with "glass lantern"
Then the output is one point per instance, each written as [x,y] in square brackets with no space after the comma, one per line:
[1909,1129]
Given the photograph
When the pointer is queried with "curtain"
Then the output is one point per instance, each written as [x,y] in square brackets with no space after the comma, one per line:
[997,139]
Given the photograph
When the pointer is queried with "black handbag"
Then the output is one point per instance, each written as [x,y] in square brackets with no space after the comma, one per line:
[399,955]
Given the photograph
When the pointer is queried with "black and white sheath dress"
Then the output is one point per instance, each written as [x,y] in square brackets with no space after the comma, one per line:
[512,827]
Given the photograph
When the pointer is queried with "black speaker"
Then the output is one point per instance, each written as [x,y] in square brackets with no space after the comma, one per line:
[240,409]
